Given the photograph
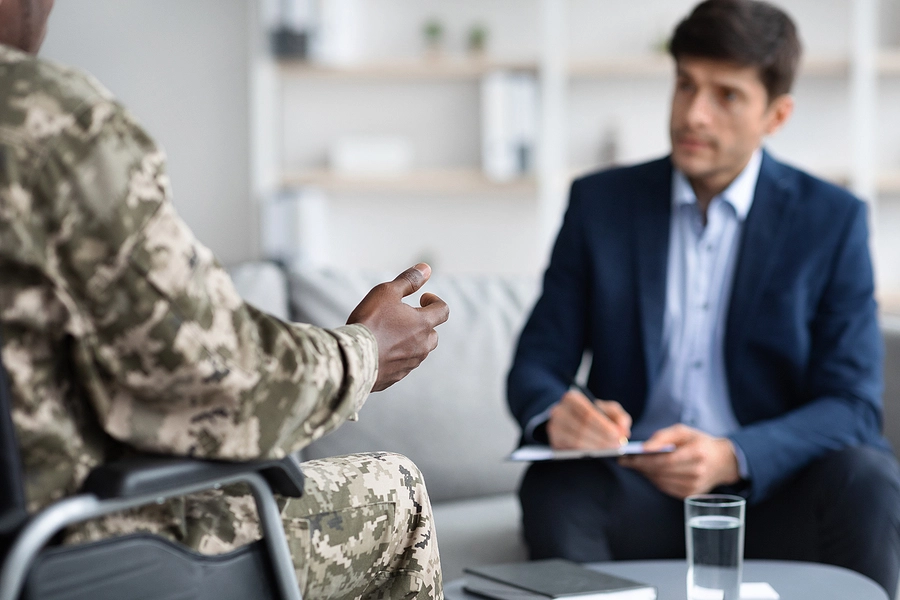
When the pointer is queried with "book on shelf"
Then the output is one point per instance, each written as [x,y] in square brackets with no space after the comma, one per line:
[509,114]
[552,578]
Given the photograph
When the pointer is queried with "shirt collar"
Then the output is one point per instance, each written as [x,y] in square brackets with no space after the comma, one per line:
[739,194]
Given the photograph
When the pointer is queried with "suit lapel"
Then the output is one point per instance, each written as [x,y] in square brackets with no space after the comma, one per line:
[653,210]
[764,233]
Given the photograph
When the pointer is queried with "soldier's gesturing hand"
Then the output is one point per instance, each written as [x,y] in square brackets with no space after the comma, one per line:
[405,334]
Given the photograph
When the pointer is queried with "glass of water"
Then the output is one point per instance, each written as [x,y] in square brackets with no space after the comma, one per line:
[714,528]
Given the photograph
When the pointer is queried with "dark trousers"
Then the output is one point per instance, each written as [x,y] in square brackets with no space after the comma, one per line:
[843,510]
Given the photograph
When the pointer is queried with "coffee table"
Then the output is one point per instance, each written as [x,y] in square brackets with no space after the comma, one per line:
[792,580]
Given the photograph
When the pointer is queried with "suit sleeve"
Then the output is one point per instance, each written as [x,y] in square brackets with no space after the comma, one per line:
[554,337]
[843,379]
[171,358]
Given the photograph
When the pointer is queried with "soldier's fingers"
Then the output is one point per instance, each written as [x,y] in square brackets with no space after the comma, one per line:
[410,280]
[435,309]
[432,341]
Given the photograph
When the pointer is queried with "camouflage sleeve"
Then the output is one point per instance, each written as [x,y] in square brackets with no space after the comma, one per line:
[171,357]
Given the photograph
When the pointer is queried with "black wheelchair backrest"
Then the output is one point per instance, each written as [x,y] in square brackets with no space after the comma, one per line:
[13,511]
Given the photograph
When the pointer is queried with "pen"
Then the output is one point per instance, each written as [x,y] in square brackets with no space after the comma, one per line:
[590,396]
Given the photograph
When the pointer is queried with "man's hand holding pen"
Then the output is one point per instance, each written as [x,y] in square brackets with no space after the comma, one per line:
[578,422]
[699,462]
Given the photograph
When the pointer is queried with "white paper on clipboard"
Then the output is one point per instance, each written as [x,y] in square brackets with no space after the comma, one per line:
[536,453]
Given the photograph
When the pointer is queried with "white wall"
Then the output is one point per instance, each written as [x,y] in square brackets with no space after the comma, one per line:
[442,121]
[181,66]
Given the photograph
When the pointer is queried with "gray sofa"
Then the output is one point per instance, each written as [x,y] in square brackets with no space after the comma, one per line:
[450,416]
[890,326]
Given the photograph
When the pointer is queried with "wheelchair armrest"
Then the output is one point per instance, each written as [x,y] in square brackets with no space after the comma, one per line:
[148,475]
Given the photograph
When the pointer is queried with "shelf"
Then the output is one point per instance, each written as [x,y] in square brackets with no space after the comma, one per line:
[436,69]
[825,67]
[889,62]
[658,65]
[651,65]
[655,65]
[889,307]
[640,66]
[425,181]
[889,182]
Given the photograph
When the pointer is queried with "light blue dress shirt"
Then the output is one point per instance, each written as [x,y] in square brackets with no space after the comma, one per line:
[692,387]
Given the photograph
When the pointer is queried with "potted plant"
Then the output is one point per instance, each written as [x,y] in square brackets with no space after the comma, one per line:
[477,39]
[433,32]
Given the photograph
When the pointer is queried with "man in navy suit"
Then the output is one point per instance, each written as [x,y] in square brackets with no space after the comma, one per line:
[726,301]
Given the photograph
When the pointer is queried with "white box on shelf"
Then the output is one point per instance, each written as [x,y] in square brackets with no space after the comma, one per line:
[371,155]
[338,40]
[298,15]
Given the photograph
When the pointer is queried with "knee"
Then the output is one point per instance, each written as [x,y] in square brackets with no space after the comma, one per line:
[409,480]
[864,478]
[401,464]
[563,508]
[414,522]
[410,475]
[547,486]
[370,478]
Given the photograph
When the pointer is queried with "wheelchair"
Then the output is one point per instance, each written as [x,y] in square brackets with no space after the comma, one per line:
[139,566]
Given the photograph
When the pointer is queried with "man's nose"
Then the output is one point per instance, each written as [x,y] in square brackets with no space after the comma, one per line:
[699,110]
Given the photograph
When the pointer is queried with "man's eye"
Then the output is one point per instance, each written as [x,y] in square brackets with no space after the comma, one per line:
[729,95]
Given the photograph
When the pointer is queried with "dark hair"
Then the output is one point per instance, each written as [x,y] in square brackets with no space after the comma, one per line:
[750,33]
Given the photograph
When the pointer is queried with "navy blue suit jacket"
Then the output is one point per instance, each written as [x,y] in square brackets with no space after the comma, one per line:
[803,351]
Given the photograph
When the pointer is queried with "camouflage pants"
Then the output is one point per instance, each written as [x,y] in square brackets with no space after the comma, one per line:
[363,528]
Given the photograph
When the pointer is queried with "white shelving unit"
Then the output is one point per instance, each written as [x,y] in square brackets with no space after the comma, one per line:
[845,83]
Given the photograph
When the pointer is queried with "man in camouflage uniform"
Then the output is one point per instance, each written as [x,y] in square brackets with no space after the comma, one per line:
[123,334]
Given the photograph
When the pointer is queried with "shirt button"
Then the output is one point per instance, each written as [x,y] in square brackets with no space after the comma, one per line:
[698,364]
[705,306]
[710,247]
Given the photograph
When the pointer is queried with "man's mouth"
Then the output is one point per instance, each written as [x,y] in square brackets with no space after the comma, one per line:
[692,142]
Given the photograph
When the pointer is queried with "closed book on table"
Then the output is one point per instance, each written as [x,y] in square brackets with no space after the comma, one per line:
[552,578]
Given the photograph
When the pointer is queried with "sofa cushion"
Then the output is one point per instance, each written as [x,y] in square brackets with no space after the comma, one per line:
[478,532]
[449,415]
[891,330]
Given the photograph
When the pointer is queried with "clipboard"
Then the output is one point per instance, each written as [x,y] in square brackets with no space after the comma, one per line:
[537,453]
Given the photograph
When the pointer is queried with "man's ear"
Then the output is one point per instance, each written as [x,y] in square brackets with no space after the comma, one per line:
[778,113]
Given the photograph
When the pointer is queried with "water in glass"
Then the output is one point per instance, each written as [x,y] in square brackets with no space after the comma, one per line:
[715,571]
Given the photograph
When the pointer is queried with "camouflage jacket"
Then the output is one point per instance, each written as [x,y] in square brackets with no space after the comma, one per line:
[121,331]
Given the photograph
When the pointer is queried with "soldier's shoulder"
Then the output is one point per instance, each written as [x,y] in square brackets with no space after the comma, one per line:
[26,79]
